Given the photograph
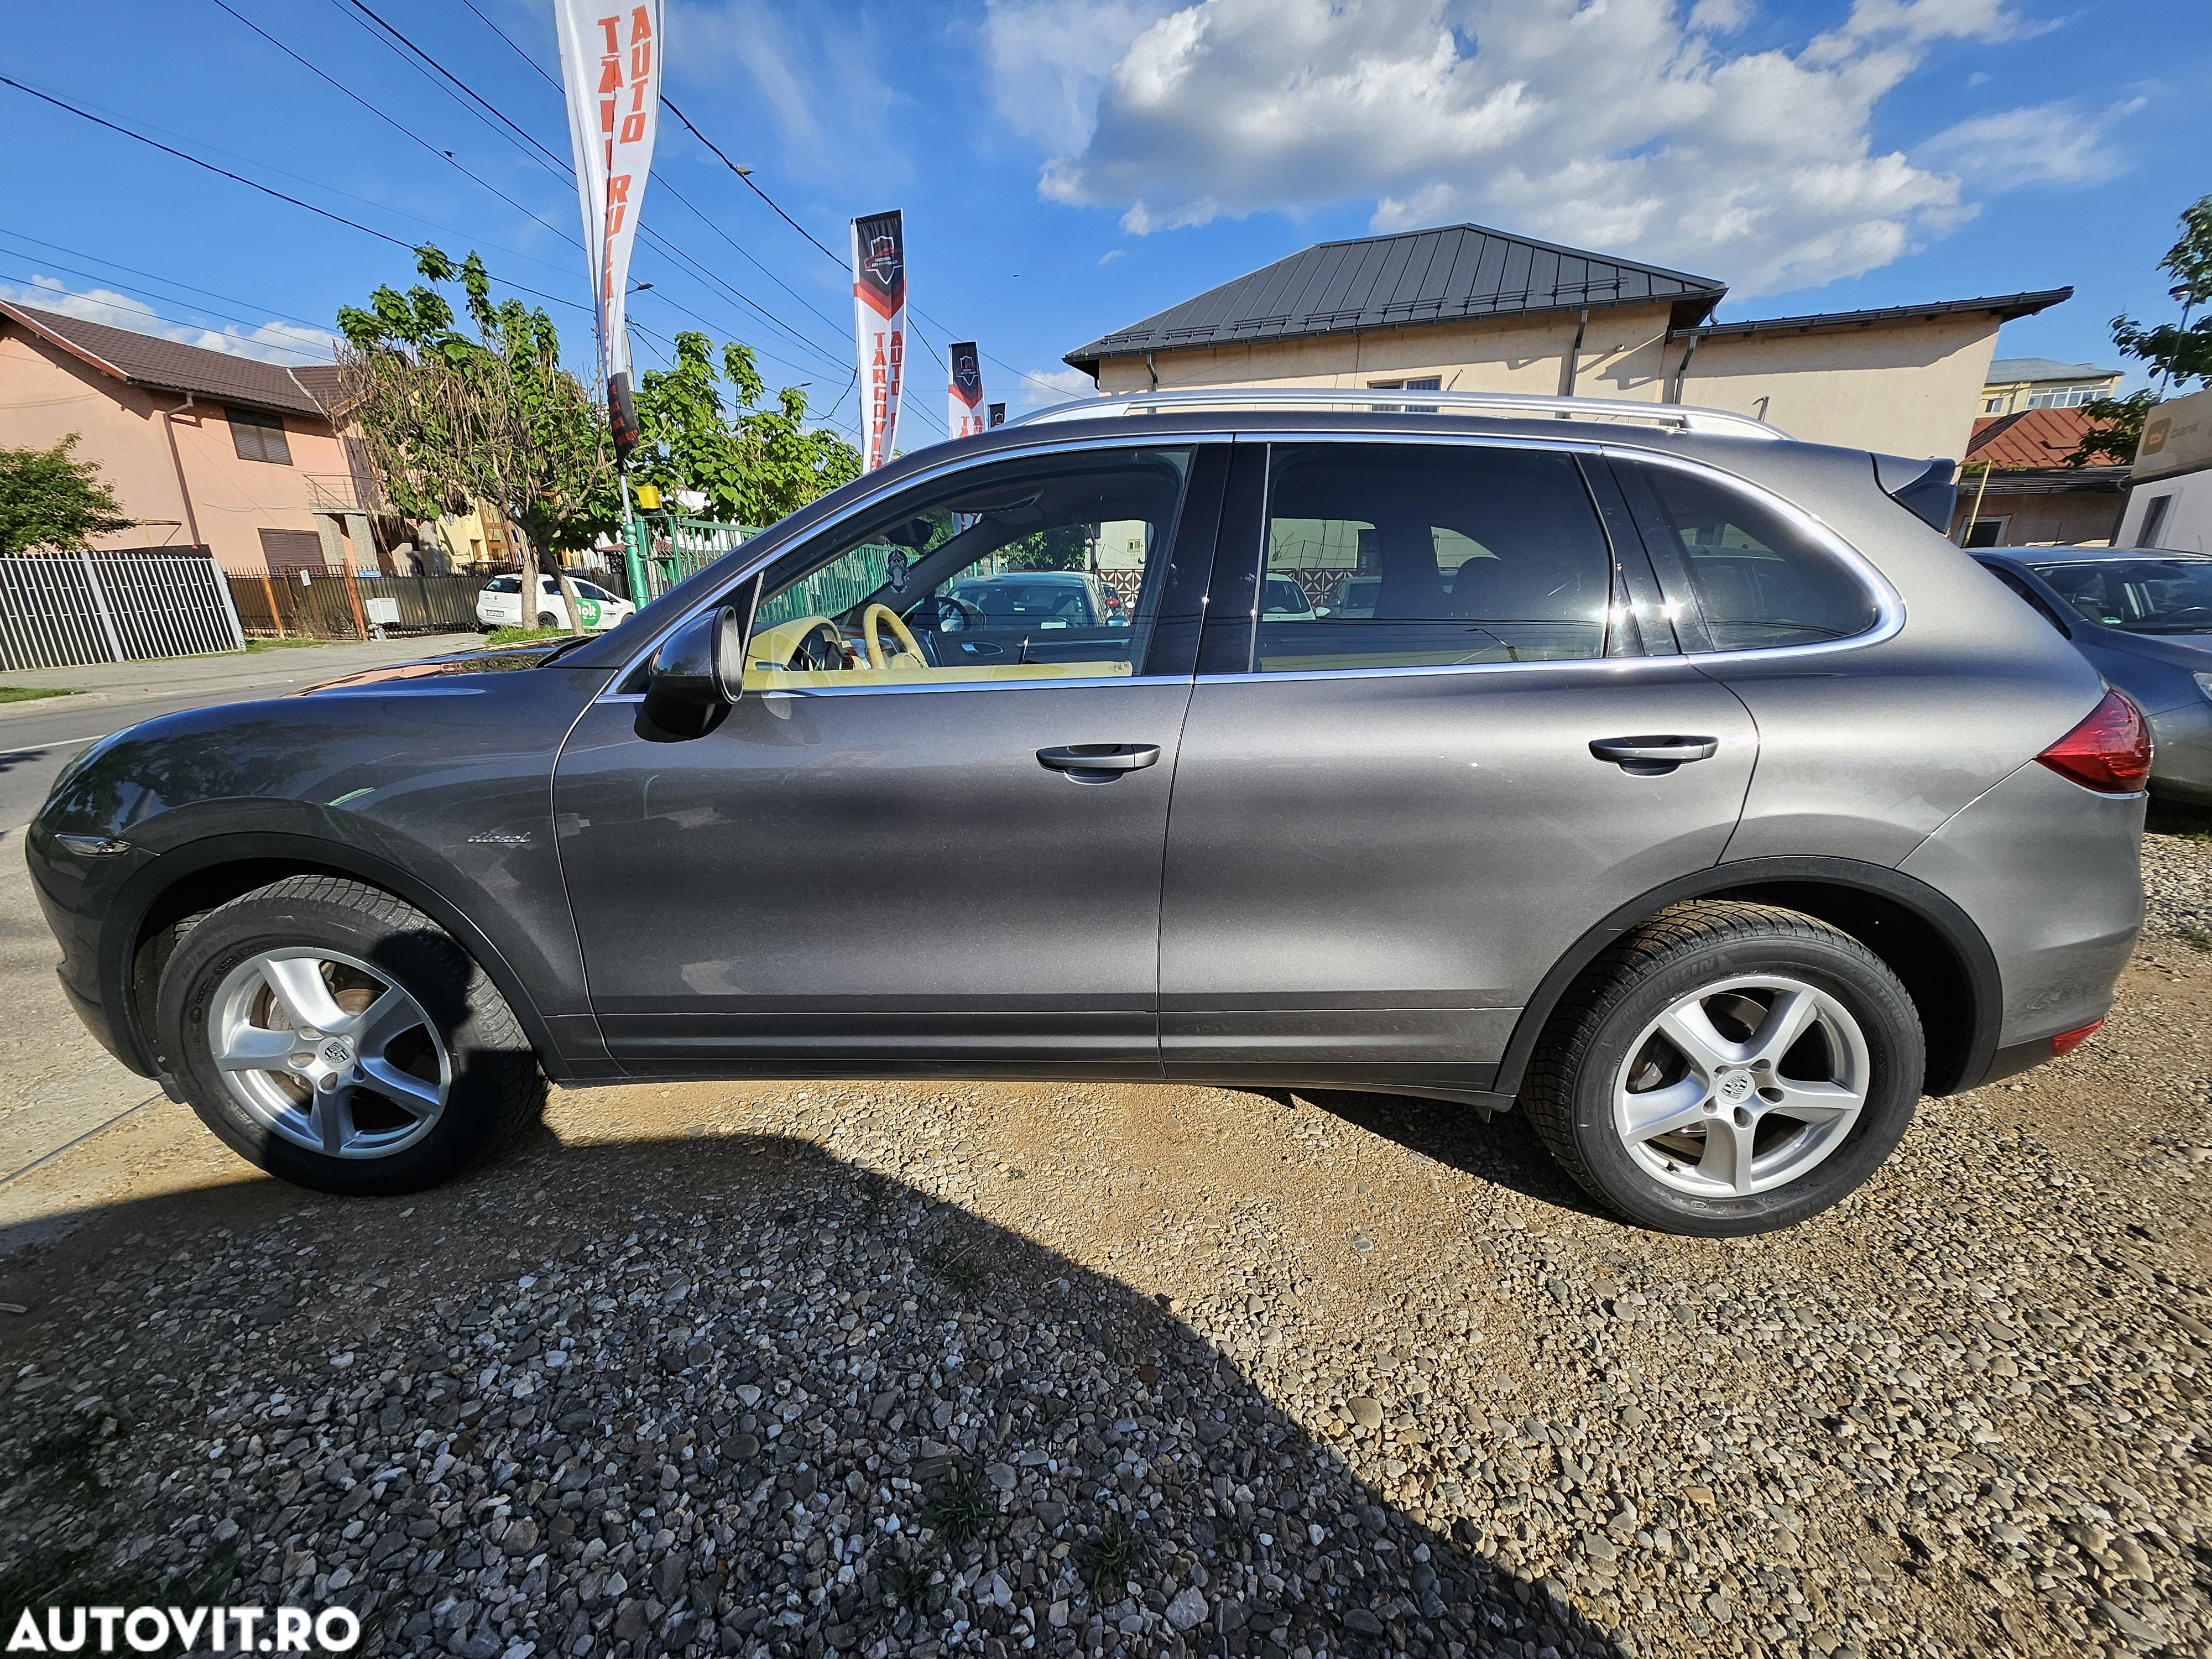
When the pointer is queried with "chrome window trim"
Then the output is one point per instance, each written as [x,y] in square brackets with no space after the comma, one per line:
[931,685]
[1585,664]
[959,463]
[1889,604]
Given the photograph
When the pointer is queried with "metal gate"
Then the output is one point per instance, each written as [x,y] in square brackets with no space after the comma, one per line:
[62,610]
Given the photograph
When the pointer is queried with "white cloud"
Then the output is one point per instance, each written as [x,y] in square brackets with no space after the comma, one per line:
[1618,125]
[2049,143]
[272,341]
[1111,254]
[1060,386]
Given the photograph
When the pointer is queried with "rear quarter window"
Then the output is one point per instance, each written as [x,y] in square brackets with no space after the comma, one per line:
[1758,579]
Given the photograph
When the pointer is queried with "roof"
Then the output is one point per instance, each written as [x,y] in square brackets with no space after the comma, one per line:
[1444,275]
[2045,481]
[2005,305]
[2031,437]
[2011,371]
[148,360]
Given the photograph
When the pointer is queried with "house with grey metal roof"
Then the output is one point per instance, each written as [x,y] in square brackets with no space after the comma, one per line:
[1468,307]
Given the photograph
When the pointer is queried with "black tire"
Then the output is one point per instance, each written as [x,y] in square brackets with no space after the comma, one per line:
[1569,1092]
[496,1090]
[547,619]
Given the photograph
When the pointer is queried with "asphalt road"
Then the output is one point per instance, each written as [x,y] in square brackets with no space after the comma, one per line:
[37,739]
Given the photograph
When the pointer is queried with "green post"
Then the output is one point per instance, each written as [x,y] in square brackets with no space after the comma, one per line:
[634,550]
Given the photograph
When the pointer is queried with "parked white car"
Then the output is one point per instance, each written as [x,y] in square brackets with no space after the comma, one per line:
[499,604]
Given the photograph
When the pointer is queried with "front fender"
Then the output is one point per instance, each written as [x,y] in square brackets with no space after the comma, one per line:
[439,793]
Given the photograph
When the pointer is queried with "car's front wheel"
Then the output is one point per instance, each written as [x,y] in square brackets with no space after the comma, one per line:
[1727,1068]
[340,1039]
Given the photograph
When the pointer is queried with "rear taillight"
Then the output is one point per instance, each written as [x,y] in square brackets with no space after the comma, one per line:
[2109,752]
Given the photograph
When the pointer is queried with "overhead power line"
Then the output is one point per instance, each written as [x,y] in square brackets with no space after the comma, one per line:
[240,178]
[307,352]
[407,132]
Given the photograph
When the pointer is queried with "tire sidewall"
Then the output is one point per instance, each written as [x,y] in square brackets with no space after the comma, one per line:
[1895,1054]
[423,959]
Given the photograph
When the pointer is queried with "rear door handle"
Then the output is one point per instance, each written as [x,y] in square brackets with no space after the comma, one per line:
[1098,763]
[1653,755]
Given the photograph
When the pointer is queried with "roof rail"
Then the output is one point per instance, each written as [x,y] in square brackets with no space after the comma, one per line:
[1393,400]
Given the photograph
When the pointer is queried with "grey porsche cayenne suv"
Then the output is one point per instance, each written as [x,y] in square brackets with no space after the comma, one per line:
[1675,783]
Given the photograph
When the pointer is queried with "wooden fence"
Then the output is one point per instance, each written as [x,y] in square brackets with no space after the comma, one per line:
[334,604]
[62,610]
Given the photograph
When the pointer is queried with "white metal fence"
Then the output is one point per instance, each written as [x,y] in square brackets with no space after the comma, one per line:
[57,610]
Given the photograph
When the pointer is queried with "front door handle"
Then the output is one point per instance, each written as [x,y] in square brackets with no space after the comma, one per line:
[1654,757]
[1098,763]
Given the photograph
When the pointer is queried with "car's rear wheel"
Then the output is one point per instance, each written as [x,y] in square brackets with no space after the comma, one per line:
[1727,1068]
[338,1038]
[547,619]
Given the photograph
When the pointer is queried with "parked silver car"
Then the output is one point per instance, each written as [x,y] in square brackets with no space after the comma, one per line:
[1675,783]
[2143,615]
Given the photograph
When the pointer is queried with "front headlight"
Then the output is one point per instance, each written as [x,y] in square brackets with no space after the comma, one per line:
[2203,682]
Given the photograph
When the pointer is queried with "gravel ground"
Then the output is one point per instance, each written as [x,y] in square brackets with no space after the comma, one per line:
[801,1369]
[2178,884]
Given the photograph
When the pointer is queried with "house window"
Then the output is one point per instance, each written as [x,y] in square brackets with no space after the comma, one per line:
[1987,533]
[1992,405]
[2064,397]
[1426,382]
[2154,521]
[258,437]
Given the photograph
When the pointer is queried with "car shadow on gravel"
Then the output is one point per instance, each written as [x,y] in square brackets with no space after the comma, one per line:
[714,1394]
[1503,1151]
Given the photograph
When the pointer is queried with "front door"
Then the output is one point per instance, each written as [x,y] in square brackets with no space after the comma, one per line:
[1443,735]
[929,836]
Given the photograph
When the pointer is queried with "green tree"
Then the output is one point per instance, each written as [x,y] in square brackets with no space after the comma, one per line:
[2116,427]
[754,463]
[49,498]
[2184,353]
[496,420]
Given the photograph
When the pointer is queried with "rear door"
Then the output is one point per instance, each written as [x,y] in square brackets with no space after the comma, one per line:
[1393,816]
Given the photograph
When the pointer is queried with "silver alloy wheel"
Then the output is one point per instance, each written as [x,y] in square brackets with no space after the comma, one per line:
[1741,1086]
[327,1051]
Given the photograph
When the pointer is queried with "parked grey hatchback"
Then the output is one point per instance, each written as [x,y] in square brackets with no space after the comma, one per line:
[1672,781]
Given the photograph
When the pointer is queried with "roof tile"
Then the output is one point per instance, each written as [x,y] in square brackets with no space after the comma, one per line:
[171,366]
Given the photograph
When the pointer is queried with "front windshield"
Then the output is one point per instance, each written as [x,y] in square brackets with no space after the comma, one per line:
[2137,596]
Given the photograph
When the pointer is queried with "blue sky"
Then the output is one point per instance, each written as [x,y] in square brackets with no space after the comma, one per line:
[1069,167]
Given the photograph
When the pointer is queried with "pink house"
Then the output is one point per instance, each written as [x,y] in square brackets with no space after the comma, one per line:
[202,448]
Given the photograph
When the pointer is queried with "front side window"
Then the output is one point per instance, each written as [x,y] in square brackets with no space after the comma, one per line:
[1759,580]
[1409,555]
[1045,568]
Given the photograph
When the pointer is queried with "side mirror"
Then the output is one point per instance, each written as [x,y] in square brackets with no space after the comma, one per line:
[697,673]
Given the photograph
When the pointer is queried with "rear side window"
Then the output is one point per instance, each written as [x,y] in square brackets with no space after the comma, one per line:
[1407,556]
[1758,579]
[503,585]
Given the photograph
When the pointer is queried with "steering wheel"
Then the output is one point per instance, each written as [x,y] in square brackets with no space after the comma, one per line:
[870,617]
[954,615]
[2193,613]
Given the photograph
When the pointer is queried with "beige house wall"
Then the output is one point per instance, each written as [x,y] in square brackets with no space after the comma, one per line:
[1904,388]
[1623,354]
[46,393]
[1910,388]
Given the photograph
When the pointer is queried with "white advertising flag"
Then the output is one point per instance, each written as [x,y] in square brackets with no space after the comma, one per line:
[963,398]
[611,58]
[880,321]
